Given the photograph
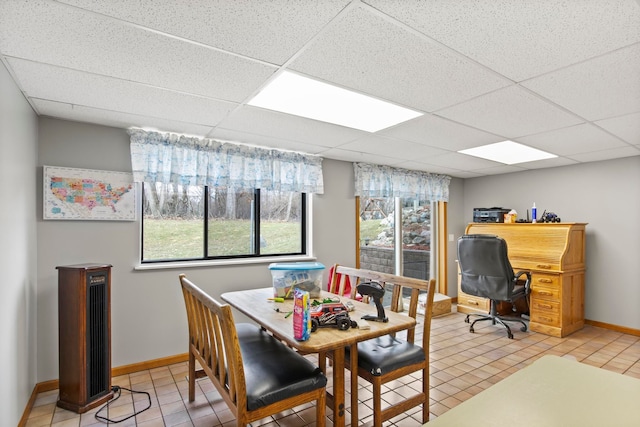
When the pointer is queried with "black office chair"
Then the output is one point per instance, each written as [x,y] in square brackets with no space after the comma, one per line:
[486,272]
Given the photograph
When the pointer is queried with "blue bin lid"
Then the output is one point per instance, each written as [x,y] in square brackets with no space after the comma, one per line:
[296,266]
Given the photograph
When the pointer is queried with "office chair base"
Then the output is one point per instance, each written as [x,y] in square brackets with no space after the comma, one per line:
[494,320]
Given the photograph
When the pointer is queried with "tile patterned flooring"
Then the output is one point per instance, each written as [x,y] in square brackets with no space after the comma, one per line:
[462,365]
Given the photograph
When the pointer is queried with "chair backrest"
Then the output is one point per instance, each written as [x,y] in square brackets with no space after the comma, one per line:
[417,286]
[213,335]
[338,283]
[484,267]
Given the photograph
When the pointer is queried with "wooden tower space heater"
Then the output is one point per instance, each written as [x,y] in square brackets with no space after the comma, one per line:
[84,336]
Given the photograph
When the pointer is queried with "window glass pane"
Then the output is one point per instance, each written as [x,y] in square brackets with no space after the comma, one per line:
[416,238]
[280,222]
[230,222]
[377,234]
[172,222]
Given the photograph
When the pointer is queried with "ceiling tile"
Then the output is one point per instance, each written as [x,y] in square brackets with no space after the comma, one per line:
[271,31]
[601,88]
[370,54]
[356,156]
[512,112]
[461,161]
[114,118]
[66,36]
[626,127]
[279,125]
[264,141]
[426,167]
[547,163]
[572,140]
[90,90]
[614,153]
[500,169]
[397,149]
[438,132]
[521,39]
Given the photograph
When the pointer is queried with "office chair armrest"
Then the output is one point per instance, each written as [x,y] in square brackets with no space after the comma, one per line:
[527,284]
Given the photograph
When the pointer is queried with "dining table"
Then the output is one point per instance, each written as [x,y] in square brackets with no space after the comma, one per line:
[273,316]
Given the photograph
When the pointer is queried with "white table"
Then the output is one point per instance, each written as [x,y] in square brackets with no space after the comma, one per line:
[552,391]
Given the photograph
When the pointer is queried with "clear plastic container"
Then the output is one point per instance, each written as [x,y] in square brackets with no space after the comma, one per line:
[302,275]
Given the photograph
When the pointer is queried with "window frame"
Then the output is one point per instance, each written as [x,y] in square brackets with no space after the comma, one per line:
[305,202]
[438,242]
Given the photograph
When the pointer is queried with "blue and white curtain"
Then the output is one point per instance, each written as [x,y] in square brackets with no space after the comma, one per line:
[387,181]
[178,159]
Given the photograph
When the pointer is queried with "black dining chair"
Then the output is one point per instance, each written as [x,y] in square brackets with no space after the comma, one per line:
[486,272]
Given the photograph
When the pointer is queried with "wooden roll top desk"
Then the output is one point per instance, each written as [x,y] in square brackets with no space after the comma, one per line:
[555,255]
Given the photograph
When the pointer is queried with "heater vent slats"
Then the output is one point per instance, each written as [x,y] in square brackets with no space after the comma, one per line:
[97,340]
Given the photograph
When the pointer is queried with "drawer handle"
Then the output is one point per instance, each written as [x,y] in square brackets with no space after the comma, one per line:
[544,266]
[545,281]
[549,306]
[547,294]
[546,319]
[473,302]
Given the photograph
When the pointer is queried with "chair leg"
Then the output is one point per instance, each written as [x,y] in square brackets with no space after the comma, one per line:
[322,362]
[192,377]
[321,405]
[425,390]
[495,318]
[377,403]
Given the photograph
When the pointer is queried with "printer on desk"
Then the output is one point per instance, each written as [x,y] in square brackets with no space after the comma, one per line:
[489,214]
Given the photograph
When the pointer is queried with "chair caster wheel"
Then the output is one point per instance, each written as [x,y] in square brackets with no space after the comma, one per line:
[510,336]
[471,330]
[466,320]
[523,329]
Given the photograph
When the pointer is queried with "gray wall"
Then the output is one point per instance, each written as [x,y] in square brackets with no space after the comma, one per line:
[18,159]
[603,194]
[148,318]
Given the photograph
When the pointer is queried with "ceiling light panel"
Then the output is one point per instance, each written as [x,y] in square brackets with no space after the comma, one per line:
[301,96]
[508,152]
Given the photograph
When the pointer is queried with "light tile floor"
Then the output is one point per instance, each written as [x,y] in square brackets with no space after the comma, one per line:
[462,365]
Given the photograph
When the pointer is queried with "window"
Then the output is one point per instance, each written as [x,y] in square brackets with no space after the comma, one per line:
[381,220]
[200,222]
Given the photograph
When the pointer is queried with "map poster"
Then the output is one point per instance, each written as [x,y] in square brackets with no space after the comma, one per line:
[84,194]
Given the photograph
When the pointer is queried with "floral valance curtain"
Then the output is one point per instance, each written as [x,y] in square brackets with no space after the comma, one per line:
[386,181]
[178,159]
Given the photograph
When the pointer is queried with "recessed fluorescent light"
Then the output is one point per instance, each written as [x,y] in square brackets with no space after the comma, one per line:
[508,152]
[301,96]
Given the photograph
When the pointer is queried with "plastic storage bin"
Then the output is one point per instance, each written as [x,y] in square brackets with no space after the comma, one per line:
[302,275]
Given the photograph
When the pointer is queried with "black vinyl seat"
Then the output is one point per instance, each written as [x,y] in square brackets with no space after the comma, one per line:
[486,272]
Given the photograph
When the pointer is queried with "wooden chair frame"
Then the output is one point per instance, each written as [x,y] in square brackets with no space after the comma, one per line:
[357,276]
[214,344]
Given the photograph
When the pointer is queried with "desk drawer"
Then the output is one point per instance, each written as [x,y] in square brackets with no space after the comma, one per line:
[544,293]
[545,286]
[545,312]
[545,318]
[472,301]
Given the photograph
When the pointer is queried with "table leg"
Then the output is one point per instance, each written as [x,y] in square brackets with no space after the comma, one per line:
[338,387]
[353,363]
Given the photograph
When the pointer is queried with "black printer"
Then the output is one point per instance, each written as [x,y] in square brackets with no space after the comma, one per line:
[489,214]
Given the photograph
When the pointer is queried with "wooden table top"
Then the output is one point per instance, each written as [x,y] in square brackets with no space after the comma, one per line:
[256,305]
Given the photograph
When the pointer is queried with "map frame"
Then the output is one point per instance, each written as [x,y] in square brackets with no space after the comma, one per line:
[53,208]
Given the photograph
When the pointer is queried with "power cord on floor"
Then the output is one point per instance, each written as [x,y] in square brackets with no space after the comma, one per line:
[117,392]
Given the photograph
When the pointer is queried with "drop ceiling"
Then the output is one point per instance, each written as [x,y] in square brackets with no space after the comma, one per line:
[560,76]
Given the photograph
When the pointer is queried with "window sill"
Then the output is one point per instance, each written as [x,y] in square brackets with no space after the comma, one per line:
[221,262]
